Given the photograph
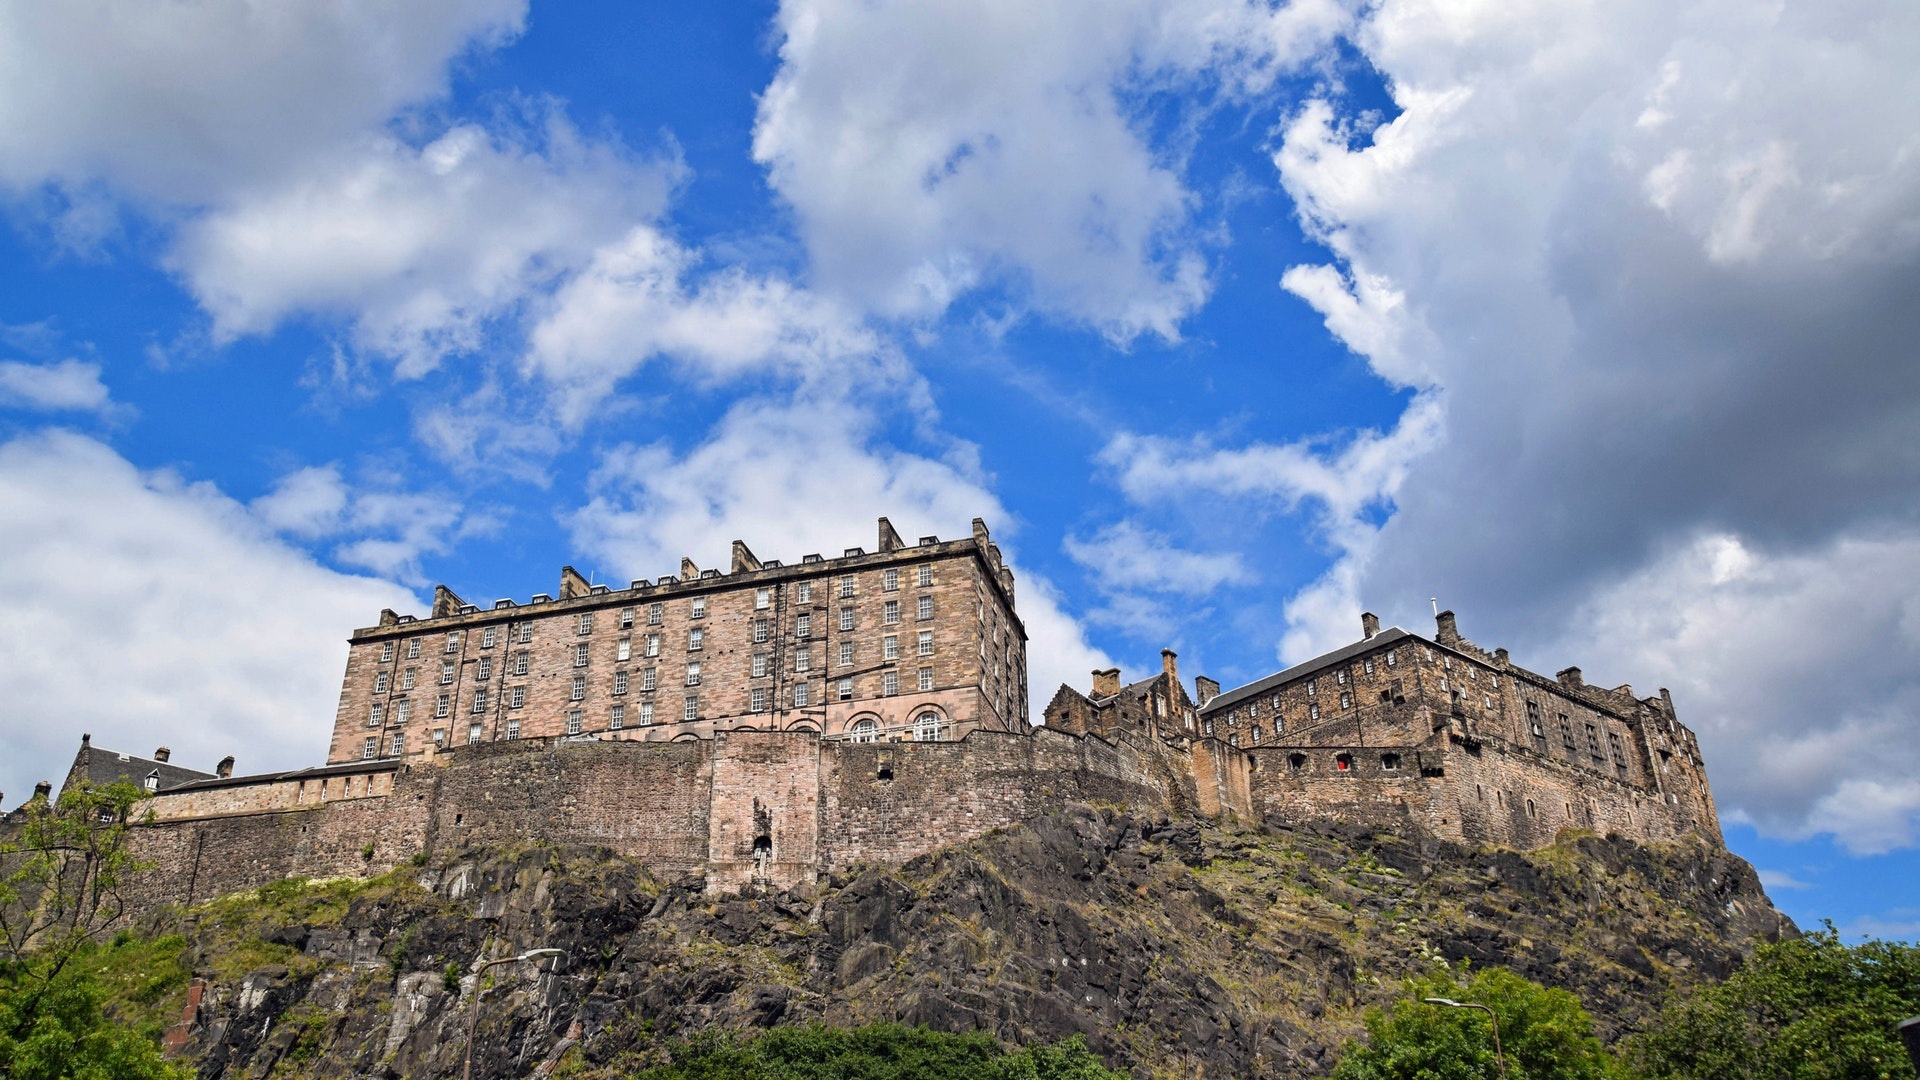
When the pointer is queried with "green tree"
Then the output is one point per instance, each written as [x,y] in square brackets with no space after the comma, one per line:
[1810,1009]
[62,872]
[1544,1033]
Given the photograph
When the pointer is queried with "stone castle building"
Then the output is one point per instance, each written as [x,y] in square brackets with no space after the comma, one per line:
[773,723]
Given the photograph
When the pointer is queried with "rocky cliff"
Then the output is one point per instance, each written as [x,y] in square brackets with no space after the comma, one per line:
[1178,948]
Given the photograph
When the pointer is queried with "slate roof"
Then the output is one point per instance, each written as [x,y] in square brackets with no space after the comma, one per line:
[100,766]
[348,768]
[1346,652]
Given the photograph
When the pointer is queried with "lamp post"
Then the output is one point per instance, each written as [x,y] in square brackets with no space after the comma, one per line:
[1499,1058]
[473,1020]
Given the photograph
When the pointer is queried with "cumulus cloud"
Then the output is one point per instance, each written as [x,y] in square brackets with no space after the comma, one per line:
[929,149]
[181,103]
[418,247]
[804,476]
[60,386]
[1658,260]
[146,609]
[374,527]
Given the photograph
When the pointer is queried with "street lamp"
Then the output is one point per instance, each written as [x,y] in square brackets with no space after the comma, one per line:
[1499,1058]
[473,1021]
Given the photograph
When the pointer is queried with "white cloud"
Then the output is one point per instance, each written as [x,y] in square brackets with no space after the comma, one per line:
[62,386]
[806,476]
[1780,879]
[181,103]
[418,247]
[219,639]
[373,525]
[1126,556]
[933,148]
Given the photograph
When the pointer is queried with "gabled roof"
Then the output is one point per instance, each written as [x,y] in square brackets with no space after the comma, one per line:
[100,766]
[1347,652]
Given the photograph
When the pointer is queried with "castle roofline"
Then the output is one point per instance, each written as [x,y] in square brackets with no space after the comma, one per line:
[352,768]
[100,766]
[1307,667]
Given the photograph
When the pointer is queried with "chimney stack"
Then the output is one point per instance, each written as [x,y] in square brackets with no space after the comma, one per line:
[1169,666]
[162,754]
[1369,625]
[225,768]
[1570,677]
[1106,683]
[446,602]
[573,583]
[688,571]
[1207,688]
[743,558]
[1449,630]
[889,537]
[43,790]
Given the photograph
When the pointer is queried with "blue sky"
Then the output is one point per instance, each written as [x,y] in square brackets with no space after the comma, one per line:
[1232,319]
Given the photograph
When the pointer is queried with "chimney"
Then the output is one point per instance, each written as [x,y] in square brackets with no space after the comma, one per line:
[889,539]
[86,739]
[162,754]
[1170,667]
[389,617]
[225,768]
[743,558]
[688,571]
[572,584]
[1369,625]
[1006,584]
[1207,688]
[43,790]
[1449,630]
[445,602]
[1106,683]
[1570,677]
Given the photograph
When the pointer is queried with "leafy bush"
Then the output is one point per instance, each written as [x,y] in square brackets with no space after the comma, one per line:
[1544,1033]
[875,1052]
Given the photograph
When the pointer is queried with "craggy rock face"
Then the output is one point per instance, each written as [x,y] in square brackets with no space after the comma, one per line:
[1176,947]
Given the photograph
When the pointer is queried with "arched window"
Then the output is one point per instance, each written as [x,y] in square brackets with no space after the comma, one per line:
[926,726]
[865,731]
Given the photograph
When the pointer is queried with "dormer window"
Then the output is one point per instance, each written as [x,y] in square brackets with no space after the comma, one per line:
[153,780]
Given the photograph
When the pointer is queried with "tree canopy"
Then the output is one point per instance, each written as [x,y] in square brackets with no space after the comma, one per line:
[1544,1034]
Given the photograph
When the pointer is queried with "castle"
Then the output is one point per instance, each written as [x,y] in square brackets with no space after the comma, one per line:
[775,723]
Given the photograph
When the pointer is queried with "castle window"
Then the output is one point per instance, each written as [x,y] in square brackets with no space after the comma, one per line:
[846,654]
[1444,686]
[890,614]
[585,620]
[441,705]
[803,592]
[1206,726]
[1346,700]
[693,673]
[486,637]
[1313,712]
[371,748]
[1390,656]
[649,679]
[1390,762]
[1368,665]
[619,682]
[846,617]
[757,700]
[386,651]
[1566,734]
[655,614]
[691,710]
[626,618]
[1313,687]
[513,728]
[800,695]
[646,712]
[1494,680]
[479,701]
[453,642]
[846,586]
[653,645]
[380,682]
[925,575]
[624,649]
[802,658]
[1340,677]
[526,632]
[696,638]
[573,721]
[1533,719]
[484,670]
[1486,700]
[697,609]
[579,687]
[1297,762]
[517,697]
[402,711]
[1593,743]
[617,718]
[890,580]
[759,665]
[760,632]
[865,731]
[890,682]
[407,677]
[1530,812]
[926,678]
[1343,762]
[520,663]
[580,655]
[926,727]
[473,733]
[762,599]
[926,607]
[1253,734]
[925,643]
[890,648]
[1233,739]
[413,648]
[394,747]
[846,689]
[376,714]
[1447,662]
[803,625]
